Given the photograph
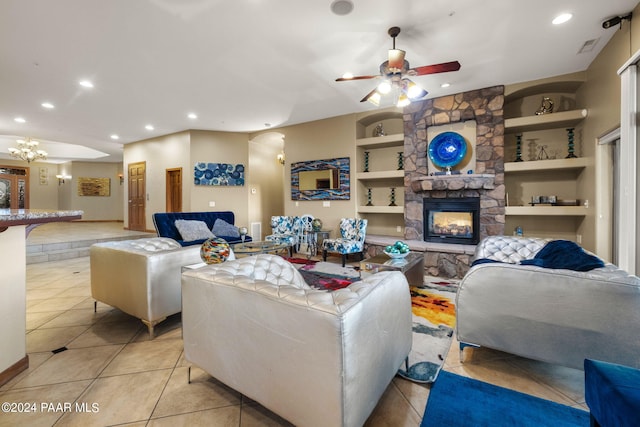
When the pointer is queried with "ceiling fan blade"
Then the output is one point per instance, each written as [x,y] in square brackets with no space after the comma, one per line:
[369,95]
[346,79]
[445,67]
[396,60]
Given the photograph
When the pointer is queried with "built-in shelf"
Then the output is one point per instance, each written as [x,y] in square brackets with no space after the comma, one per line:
[542,165]
[395,140]
[546,210]
[545,121]
[380,175]
[381,209]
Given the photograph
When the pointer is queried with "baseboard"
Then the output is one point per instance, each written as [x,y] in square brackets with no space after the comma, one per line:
[99,220]
[13,370]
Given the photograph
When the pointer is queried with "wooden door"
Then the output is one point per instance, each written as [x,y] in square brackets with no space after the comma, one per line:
[14,188]
[137,196]
[174,190]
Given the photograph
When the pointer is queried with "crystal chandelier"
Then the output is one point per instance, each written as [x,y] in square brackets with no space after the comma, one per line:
[27,150]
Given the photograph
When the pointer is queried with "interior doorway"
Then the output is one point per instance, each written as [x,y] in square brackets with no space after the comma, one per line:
[137,196]
[174,190]
[14,187]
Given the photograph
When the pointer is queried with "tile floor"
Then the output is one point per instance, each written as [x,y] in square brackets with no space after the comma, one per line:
[122,378]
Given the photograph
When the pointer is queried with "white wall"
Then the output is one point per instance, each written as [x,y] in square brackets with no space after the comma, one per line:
[317,140]
[220,147]
[95,208]
[160,154]
[267,179]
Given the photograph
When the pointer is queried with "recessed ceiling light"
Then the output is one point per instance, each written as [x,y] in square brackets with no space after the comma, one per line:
[561,19]
[20,120]
[114,136]
[149,127]
[86,83]
[443,85]
[192,116]
[47,105]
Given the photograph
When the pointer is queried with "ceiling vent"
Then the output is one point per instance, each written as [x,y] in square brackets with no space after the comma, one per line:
[588,45]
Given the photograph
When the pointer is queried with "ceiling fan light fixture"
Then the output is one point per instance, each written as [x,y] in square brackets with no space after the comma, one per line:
[375,98]
[414,91]
[384,87]
[403,101]
[396,60]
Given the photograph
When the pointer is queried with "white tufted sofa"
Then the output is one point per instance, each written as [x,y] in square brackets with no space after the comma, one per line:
[141,277]
[553,315]
[314,357]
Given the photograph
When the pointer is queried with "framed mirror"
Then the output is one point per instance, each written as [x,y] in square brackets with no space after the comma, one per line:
[326,179]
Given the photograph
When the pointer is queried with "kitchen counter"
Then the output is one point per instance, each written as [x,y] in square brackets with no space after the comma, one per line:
[15,225]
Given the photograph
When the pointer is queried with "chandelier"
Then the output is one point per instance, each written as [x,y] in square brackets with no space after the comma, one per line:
[27,150]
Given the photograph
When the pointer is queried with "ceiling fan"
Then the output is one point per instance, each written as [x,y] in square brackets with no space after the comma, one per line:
[394,73]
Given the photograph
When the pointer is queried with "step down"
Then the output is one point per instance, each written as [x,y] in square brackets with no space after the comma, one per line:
[59,251]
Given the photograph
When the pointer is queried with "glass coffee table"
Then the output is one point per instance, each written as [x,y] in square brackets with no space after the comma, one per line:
[412,266]
[259,247]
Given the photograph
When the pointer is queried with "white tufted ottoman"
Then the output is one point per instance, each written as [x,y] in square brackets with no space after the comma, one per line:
[141,277]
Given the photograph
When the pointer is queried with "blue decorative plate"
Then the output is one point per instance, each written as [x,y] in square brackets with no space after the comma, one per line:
[447,149]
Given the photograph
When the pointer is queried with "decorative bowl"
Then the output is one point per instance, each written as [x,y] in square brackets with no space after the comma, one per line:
[396,255]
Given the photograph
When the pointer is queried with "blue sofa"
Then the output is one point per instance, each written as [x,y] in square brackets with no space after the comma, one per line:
[165,225]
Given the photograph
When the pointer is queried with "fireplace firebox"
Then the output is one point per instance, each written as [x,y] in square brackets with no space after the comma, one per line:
[452,220]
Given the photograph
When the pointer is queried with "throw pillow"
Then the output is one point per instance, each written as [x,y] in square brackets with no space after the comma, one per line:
[223,228]
[193,230]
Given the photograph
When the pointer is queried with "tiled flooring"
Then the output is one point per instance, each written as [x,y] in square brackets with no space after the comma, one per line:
[111,363]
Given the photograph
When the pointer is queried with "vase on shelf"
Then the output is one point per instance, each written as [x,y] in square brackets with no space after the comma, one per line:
[379,130]
[392,197]
[570,146]
[519,148]
[369,197]
[400,160]
[366,161]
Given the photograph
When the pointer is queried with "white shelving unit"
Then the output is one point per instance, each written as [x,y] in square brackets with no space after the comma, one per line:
[559,176]
[382,174]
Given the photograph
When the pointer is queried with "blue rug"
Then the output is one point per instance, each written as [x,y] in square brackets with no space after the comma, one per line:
[456,401]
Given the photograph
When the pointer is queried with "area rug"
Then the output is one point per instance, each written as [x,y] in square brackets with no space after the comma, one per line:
[459,401]
[434,320]
[325,275]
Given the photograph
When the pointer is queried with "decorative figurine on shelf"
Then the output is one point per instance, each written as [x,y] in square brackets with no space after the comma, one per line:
[519,148]
[571,146]
[392,197]
[545,107]
[366,161]
[369,197]
[243,233]
[542,153]
[379,130]
[400,160]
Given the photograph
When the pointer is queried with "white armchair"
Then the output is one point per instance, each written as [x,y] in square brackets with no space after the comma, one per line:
[550,314]
[314,357]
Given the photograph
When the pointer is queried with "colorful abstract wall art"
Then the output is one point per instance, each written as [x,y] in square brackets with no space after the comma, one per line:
[218,174]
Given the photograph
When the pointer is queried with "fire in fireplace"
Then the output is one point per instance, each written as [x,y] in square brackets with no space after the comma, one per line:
[452,220]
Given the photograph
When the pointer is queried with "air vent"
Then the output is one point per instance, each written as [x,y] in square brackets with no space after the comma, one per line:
[588,45]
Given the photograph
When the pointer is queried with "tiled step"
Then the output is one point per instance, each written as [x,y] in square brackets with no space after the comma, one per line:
[67,250]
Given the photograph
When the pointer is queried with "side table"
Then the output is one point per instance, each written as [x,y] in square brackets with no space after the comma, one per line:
[412,266]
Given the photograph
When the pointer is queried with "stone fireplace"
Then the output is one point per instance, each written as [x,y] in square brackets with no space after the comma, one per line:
[486,182]
[454,220]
